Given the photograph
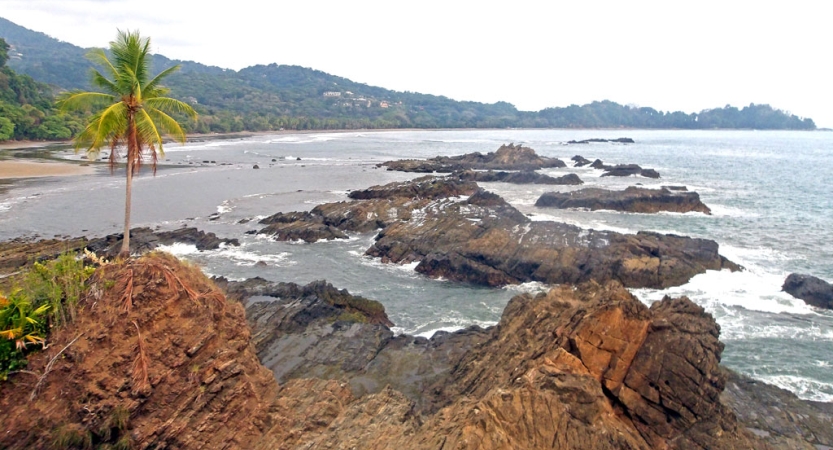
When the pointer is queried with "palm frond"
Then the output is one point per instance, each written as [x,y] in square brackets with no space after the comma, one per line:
[168,124]
[99,56]
[171,105]
[154,83]
[148,130]
[76,100]
[104,83]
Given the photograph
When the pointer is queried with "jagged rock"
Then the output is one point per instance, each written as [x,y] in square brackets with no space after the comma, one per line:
[144,240]
[507,157]
[482,239]
[524,177]
[19,253]
[580,161]
[813,290]
[632,199]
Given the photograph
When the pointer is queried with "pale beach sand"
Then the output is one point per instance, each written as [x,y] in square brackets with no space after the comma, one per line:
[31,169]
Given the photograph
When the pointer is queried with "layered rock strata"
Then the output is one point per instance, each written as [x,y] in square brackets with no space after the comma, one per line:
[458,232]
[507,157]
[632,199]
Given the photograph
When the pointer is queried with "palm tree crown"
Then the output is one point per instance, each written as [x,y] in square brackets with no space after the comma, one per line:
[133,112]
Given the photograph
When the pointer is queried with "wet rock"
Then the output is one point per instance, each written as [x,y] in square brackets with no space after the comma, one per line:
[255,166]
[507,157]
[523,177]
[813,290]
[632,199]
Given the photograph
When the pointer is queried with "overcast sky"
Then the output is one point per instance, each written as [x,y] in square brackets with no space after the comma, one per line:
[669,55]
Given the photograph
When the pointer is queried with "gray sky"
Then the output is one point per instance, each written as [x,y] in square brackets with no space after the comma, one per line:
[670,55]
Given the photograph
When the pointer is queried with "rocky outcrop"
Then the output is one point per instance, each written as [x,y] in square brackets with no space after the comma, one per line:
[623,170]
[813,290]
[622,140]
[585,368]
[524,177]
[482,239]
[507,157]
[156,358]
[632,199]
[143,240]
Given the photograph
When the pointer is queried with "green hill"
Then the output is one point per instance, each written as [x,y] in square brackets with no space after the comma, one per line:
[271,97]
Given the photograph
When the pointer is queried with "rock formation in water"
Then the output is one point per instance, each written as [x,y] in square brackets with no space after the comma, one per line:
[813,290]
[523,177]
[458,232]
[580,161]
[507,157]
[622,140]
[632,199]
[623,170]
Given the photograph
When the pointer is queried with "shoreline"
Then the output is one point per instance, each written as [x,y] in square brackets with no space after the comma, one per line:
[13,170]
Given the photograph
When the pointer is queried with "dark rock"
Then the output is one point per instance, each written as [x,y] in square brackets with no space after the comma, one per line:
[144,240]
[507,157]
[523,177]
[624,170]
[255,166]
[274,160]
[244,220]
[813,290]
[261,264]
[298,158]
[580,161]
[632,199]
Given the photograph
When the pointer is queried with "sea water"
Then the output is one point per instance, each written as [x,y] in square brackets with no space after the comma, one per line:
[770,195]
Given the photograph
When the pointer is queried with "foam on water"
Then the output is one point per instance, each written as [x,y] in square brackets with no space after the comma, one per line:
[178,249]
[805,388]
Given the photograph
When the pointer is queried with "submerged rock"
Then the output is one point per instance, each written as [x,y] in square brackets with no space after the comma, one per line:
[622,140]
[813,290]
[507,157]
[632,199]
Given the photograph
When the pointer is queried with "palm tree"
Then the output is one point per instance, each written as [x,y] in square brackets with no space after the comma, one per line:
[133,111]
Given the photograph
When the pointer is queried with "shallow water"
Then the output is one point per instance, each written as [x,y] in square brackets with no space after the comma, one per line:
[769,193]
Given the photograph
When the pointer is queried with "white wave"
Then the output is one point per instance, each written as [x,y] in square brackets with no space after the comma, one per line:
[804,388]
[179,249]
[719,210]
[750,289]
[242,257]
[224,207]
[531,287]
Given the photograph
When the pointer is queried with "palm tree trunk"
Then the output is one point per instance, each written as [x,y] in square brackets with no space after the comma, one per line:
[125,243]
[132,156]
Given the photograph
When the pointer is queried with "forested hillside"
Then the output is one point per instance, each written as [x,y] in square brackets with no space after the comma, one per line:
[26,107]
[272,97]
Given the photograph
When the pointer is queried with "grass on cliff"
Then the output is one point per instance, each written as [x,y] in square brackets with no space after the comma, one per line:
[44,296]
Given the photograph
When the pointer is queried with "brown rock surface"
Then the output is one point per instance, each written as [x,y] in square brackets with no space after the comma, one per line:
[523,177]
[632,199]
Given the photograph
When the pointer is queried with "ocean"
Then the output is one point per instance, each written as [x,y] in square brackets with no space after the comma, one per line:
[769,191]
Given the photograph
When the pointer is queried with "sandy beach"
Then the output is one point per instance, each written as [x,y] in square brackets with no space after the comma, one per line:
[32,169]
